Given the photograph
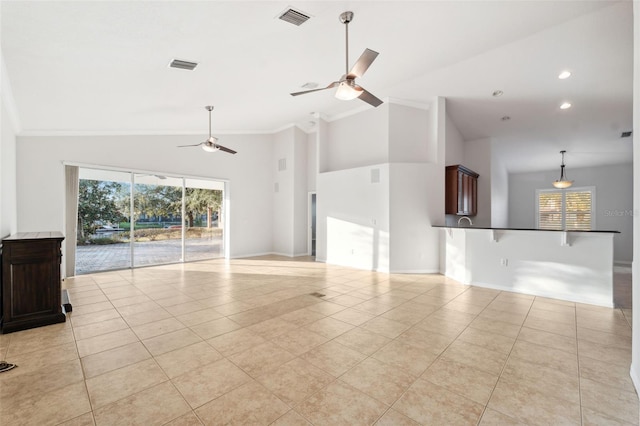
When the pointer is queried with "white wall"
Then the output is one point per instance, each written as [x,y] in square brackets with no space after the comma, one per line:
[283,191]
[8,212]
[40,177]
[358,140]
[386,225]
[477,157]
[454,145]
[614,200]
[499,189]
[353,218]
[300,193]
[409,134]
[312,160]
[9,125]
[635,352]
[414,193]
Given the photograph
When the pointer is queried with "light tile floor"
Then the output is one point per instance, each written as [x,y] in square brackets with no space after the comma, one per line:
[245,342]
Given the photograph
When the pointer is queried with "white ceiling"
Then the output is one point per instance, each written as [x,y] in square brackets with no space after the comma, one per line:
[98,67]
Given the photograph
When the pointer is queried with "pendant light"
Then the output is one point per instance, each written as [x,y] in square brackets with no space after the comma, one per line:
[563,182]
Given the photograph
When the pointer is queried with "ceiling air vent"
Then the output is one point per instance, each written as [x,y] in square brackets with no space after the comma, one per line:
[294,17]
[183,65]
[625,134]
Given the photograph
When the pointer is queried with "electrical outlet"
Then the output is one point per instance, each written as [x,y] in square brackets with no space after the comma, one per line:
[504,262]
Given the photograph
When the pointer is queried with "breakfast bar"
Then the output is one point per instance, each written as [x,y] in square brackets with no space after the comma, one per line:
[575,266]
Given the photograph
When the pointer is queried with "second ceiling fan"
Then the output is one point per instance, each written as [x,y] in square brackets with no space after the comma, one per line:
[347,87]
[211,144]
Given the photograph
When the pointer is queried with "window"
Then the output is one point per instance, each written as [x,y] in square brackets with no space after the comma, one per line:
[571,209]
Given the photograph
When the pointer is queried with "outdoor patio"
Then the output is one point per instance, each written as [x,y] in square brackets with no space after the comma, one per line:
[93,258]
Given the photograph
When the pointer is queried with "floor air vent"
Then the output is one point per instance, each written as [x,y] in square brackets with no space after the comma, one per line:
[294,17]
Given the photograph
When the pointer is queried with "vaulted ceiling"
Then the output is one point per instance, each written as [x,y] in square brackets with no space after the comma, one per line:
[101,67]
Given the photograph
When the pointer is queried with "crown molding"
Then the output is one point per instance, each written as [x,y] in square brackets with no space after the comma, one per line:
[305,129]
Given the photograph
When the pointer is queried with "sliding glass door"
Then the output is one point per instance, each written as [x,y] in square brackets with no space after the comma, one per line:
[203,217]
[104,218]
[128,219]
[157,208]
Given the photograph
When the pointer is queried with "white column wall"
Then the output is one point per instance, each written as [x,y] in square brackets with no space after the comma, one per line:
[383,226]
[8,212]
[283,192]
[635,352]
[353,218]
[9,126]
[499,189]
[300,193]
[414,207]
[477,157]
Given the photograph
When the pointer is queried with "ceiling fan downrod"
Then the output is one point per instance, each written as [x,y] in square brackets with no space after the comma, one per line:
[209,108]
[345,18]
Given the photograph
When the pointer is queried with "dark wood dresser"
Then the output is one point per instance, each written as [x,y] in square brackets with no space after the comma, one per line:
[31,280]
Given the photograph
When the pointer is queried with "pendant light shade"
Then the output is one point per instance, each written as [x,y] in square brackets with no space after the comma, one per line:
[563,182]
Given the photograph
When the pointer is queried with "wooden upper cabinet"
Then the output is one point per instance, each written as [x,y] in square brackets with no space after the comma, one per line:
[461,191]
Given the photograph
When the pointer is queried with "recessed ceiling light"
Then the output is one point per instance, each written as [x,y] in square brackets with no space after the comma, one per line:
[505,118]
[565,105]
[497,93]
[564,74]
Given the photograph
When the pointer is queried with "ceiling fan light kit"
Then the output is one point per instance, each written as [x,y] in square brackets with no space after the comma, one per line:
[211,144]
[563,182]
[347,87]
[347,90]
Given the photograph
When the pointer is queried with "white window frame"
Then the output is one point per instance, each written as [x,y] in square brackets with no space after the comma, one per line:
[591,189]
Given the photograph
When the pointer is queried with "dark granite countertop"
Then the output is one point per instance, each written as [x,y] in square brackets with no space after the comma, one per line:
[519,229]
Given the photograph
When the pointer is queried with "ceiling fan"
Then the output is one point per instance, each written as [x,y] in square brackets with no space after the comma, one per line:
[211,144]
[347,87]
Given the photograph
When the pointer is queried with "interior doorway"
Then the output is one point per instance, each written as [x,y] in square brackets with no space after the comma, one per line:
[312,224]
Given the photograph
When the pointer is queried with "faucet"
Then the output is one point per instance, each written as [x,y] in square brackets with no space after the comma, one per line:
[465,217]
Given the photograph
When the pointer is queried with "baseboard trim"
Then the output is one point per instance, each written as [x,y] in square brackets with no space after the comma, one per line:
[242,256]
[415,271]
[549,295]
[635,378]
[270,253]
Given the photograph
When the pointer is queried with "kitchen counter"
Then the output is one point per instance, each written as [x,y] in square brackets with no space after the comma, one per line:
[570,265]
[518,229]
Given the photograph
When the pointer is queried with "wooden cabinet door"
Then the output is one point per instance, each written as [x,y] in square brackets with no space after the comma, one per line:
[461,189]
[31,281]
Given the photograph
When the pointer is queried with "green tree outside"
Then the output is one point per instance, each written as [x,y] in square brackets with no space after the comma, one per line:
[97,203]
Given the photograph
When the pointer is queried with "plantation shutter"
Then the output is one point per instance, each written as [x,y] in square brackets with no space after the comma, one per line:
[578,210]
[550,210]
[569,209]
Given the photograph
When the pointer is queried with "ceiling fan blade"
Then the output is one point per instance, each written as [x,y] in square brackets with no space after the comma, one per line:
[362,64]
[184,146]
[369,98]
[225,149]
[334,84]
